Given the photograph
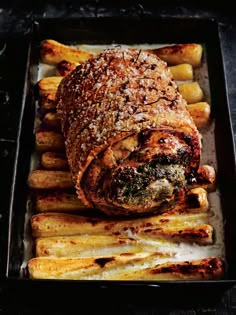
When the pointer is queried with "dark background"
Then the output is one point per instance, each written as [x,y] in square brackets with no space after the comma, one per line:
[15,21]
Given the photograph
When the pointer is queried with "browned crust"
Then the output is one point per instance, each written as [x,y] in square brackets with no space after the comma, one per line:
[209,266]
[201,234]
[202,269]
[64,67]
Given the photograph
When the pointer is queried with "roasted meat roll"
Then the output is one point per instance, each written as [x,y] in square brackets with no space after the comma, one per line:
[131,144]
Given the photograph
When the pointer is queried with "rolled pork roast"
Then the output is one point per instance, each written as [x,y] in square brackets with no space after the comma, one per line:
[131,143]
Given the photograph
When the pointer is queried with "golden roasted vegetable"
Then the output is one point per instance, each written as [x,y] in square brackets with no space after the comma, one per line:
[58,202]
[202,269]
[97,245]
[124,267]
[196,201]
[200,113]
[44,179]
[53,52]
[206,178]
[49,141]
[47,100]
[62,224]
[51,120]
[181,53]
[47,88]
[191,92]
[48,85]
[54,161]
[182,72]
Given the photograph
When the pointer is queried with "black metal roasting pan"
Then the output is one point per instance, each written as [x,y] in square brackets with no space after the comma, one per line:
[66,294]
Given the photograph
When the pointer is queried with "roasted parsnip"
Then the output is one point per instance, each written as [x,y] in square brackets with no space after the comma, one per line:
[47,88]
[62,224]
[53,52]
[47,101]
[54,161]
[200,113]
[78,268]
[58,202]
[44,179]
[51,120]
[124,267]
[48,85]
[97,245]
[180,53]
[196,201]
[182,72]
[191,92]
[49,141]
[206,178]
[202,269]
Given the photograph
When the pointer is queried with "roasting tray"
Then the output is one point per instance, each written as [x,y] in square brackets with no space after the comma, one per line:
[128,31]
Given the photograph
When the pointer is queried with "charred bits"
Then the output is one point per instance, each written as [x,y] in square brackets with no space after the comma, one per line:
[192,201]
[103,261]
